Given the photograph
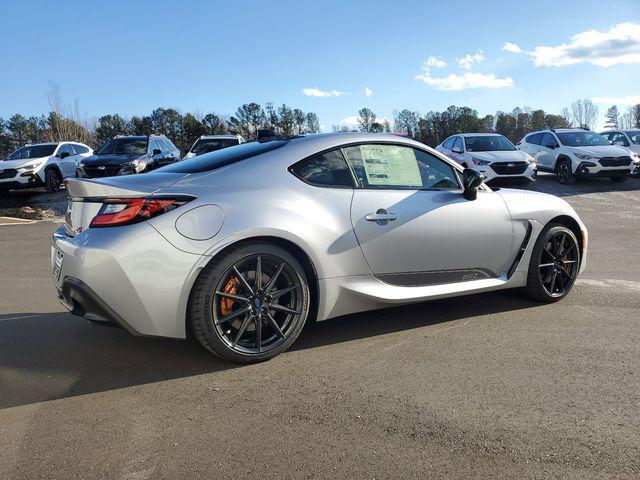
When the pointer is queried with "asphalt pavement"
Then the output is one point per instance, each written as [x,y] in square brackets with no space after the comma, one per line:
[487,386]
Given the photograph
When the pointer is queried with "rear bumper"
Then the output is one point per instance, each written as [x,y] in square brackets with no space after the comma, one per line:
[130,276]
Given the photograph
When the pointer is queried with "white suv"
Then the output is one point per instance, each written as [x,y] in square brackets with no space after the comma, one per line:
[492,154]
[42,164]
[572,153]
[629,139]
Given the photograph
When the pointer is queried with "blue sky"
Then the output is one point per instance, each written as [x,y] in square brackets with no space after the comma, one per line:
[130,57]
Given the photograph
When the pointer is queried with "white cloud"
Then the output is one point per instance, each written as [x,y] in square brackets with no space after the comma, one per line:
[466,81]
[316,92]
[628,100]
[435,62]
[511,47]
[468,60]
[620,44]
[368,92]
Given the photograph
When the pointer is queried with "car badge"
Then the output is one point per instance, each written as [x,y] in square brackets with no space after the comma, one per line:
[101,167]
[511,165]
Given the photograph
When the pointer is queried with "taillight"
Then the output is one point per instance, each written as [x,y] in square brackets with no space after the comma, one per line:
[125,211]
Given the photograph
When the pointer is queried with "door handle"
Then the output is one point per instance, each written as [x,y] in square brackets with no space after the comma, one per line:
[381,217]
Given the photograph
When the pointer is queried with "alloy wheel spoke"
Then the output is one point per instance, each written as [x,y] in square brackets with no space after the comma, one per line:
[281,308]
[272,281]
[553,282]
[569,248]
[259,333]
[547,265]
[233,314]
[561,246]
[259,273]
[241,330]
[549,253]
[231,296]
[243,281]
[275,326]
[278,293]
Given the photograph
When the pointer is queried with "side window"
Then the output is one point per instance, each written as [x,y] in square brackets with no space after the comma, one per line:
[79,149]
[448,143]
[619,139]
[458,144]
[66,148]
[168,146]
[399,167]
[548,140]
[325,170]
[607,135]
[534,139]
[153,145]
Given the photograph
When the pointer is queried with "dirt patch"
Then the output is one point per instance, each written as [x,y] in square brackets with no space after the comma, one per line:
[34,204]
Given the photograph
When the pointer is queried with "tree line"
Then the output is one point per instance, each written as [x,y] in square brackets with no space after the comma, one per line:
[434,127]
[182,129]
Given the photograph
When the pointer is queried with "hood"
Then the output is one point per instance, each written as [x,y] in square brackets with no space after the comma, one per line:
[7,164]
[504,156]
[111,159]
[602,151]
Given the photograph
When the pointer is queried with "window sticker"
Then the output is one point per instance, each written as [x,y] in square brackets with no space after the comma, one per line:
[390,165]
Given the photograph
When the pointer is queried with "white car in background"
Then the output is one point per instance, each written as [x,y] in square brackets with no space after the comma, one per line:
[492,154]
[211,143]
[42,164]
[572,152]
[629,139]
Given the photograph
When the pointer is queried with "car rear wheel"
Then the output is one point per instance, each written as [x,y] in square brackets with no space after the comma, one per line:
[554,264]
[52,180]
[564,173]
[250,304]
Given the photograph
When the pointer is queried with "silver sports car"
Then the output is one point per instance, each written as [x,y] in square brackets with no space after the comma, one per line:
[244,245]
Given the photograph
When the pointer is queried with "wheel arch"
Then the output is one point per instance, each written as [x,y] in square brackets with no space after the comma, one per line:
[571,224]
[52,166]
[294,249]
[561,158]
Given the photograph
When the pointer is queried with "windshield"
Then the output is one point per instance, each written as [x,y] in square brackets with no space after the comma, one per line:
[220,158]
[34,151]
[634,136]
[212,144]
[124,146]
[581,139]
[493,143]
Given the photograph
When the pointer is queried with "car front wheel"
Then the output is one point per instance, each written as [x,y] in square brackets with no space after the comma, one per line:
[52,180]
[249,304]
[554,264]
[564,173]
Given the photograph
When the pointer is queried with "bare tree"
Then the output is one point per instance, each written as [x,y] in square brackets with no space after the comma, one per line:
[65,121]
[584,113]
[366,119]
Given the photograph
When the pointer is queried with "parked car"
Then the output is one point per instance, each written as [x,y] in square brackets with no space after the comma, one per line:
[629,139]
[126,155]
[211,143]
[492,154]
[42,164]
[244,245]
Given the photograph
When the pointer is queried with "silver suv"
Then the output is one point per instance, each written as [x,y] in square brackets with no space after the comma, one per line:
[572,153]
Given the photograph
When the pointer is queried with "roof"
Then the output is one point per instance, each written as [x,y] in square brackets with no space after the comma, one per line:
[222,137]
[480,134]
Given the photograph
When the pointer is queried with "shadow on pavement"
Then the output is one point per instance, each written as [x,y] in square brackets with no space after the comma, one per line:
[548,183]
[51,356]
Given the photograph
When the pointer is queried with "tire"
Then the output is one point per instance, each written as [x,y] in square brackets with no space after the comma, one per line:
[52,180]
[216,296]
[564,173]
[618,179]
[547,267]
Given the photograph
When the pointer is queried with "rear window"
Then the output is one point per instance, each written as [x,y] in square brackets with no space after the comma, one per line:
[221,158]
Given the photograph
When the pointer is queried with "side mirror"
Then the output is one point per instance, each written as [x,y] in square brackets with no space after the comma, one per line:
[157,152]
[471,181]
[456,150]
[63,155]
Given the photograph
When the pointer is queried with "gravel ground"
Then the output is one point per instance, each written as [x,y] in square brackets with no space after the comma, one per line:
[34,204]
[493,386]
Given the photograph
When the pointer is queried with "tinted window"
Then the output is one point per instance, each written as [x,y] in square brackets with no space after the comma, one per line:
[221,158]
[153,145]
[619,139]
[548,140]
[488,143]
[66,148]
[534,139]
[458,143]
[326,170]
[123,146]
[399,167]
[34,151]
[634,136]
[581,139]
[79,148]
[206,145]
[448,143]
[166,144]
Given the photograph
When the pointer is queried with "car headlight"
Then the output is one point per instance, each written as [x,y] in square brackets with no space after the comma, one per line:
[479,161]
[585,156]
[31,166]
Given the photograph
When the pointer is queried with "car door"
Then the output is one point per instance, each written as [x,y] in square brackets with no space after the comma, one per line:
[457,150]
[67,160]
[414,226]
[547,154]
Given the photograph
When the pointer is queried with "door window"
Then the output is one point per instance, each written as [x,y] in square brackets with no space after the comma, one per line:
[619,139]
[79,149]
[66,148]
[534,139]
[548,141]
[458,144]
[153,145]
[399,167]
[448,143]
[325,170]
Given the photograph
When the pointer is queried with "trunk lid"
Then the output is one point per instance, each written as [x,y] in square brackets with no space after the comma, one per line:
[85,195]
